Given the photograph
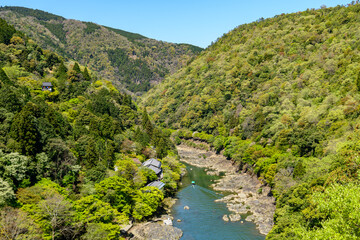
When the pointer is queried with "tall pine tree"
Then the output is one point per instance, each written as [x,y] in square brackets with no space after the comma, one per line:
[146,123]
[61,72]
[86,74]
[76,68]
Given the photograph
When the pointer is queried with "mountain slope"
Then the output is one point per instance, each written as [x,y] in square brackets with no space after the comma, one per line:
[70,157]
[281,97]
[120,56]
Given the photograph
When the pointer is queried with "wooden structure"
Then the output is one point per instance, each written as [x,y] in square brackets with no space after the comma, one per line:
[47,86]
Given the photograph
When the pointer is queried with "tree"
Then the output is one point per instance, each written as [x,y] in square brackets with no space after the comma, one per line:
[61,159]
[147,200]
[161,148]
[46,202]
[61,72]
[10,99]
[57,211]
[91,157]
[89,209]
[338,207]
[6,31]
[6,193]
[86,74]
[16,224]
[4,79]
[14,167]
[146,123]
[24,130]
[100,231]
[116,191]
[76,68]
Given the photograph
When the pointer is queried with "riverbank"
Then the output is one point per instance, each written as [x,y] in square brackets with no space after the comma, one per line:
[248,196]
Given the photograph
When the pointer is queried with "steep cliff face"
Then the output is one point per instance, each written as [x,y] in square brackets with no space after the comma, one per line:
[131,59]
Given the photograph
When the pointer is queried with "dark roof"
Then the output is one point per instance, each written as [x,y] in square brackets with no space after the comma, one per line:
[47,84]
[157,184]
[155,169]
[152,162]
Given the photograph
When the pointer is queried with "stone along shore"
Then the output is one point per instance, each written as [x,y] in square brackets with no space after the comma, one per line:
[247,195]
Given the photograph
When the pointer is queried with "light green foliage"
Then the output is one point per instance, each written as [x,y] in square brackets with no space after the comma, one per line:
[100,219]
[13,167]
[126,167]
[143,176]
[90,209]
[100,231]
[6,193]
[46,203]
[147,200]
[171,173]
[339,206]
[116,191]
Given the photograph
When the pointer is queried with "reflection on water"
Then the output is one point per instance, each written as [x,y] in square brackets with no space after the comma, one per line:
[203,219]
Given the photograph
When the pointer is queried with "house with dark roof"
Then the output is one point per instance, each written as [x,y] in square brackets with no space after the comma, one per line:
[47,86]
[158,184]
[154,165]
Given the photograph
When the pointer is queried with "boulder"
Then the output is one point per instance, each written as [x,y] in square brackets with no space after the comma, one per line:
[152,231]
[225,218]
[235,217]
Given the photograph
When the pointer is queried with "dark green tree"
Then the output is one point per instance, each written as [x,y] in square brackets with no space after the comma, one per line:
[6,31]
[146,123]
[10,99]
[4,79]
[61,72]
[76,68]
[91,154]
[109,155]
[86,74]
[24,130]
[161,148]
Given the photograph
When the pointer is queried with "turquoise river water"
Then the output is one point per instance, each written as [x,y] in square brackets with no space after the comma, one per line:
[203,221]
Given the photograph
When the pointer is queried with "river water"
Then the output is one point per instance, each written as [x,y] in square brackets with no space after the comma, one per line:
[203,220]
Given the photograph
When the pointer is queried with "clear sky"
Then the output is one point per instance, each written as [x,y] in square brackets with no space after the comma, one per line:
[198,22]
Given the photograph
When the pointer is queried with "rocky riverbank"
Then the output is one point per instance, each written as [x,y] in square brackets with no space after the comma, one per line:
[155,231]
[248,196]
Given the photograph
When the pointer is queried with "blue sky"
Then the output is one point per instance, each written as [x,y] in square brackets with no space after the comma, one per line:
[197,22]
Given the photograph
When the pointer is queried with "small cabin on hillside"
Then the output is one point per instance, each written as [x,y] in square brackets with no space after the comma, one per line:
[154,165]
[47,86]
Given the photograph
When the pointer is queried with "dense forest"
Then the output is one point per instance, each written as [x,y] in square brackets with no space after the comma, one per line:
[127,59]
[70,158]
[280,96]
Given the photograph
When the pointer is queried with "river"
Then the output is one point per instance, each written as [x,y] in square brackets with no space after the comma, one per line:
[203,219]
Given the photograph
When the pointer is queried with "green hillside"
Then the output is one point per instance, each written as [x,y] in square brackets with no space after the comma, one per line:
[280,96]
[70,158]
[127,59]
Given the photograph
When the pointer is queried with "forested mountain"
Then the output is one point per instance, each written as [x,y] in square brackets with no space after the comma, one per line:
[131,59]
[281,97]
[70,158]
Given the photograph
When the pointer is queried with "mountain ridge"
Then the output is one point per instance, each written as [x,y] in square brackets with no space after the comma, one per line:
[143,62]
